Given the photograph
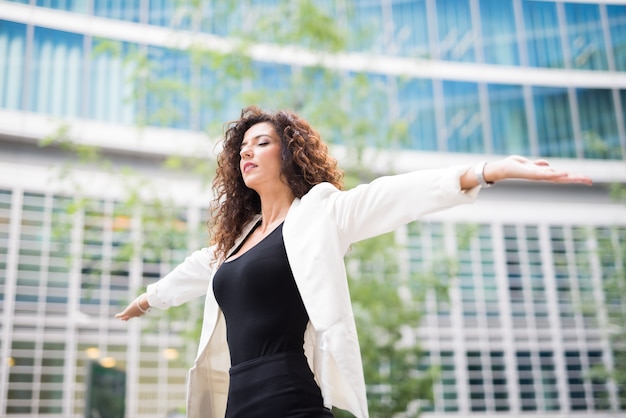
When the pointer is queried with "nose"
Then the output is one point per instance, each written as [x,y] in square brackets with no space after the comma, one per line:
[246,152]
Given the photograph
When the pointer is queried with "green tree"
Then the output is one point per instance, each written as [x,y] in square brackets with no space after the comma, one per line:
[386,313]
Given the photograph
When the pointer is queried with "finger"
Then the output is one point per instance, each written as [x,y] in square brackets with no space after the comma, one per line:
[576,179]
[564,177]
[540,162]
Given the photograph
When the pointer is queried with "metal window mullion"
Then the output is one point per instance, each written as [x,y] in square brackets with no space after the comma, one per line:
[615,240]
[15,221]
[606,35]
[133,350]
[504,297]
[105,269]
[579,321]
[434,343]
[547,262]
[531,120]
[535,358]
[621,129]
[617,246]
[87,59]
[144,11]
[393,110]
[479,289]
[195,101]
[438,391]
[433,29]
[440,115]
[388,27]
[529,308]
[576,128]
[193,220]
[481,323]
[162,342]
[477,32]
[485,117]
[619,117]
[73,304]
[520,33]
[45,256]
[38,355]
[28,63]
[560,8]
[562,21]
[430,319]
[603,321]
[529,104]
[40,318]
[572,272]
[456,317]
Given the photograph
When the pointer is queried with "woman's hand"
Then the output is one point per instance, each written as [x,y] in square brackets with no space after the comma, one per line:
[136,308]
[516,167]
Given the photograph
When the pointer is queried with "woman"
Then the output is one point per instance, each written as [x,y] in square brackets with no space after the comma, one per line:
[277,307]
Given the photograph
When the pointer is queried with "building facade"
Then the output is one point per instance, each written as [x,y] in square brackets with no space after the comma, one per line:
[460,81]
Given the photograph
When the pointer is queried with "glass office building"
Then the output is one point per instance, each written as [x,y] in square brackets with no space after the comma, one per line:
[527,316]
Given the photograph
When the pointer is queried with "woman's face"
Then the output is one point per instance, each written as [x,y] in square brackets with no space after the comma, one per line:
[261,159]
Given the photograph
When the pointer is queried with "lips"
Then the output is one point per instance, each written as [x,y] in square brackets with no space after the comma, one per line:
[248,166]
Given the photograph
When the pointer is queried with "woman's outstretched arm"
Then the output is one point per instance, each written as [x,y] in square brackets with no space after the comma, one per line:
[516,167]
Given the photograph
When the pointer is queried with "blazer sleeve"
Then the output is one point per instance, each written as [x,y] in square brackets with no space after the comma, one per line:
[187,281]
[389,202]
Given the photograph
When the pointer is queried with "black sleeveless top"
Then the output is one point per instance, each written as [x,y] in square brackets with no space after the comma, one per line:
[260,300]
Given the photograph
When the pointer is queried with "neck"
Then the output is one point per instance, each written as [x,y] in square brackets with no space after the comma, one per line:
[274,209]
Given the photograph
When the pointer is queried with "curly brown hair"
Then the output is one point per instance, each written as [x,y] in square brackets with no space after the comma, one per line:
[305,163]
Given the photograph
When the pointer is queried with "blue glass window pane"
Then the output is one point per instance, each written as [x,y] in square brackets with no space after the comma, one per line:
[456,37]
[542,35]
[222,18]
[598,124]
[410,28]
[415,99]
[369,99]
[463,128]
[158,11]
[20,1]
[112,69]
[553,118]
[509,125]
[168,88]
[366,27]
[218,100]
[167,13]
[12,61]
[622,95]
[498,32]
[56,74]
[129,10]
[79,6]
[584,33]
[617,28]
[270,86]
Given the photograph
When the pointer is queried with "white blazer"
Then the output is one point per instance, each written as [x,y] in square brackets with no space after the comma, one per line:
[318,230]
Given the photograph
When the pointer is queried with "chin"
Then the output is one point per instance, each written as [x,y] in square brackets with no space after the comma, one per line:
[249,184]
